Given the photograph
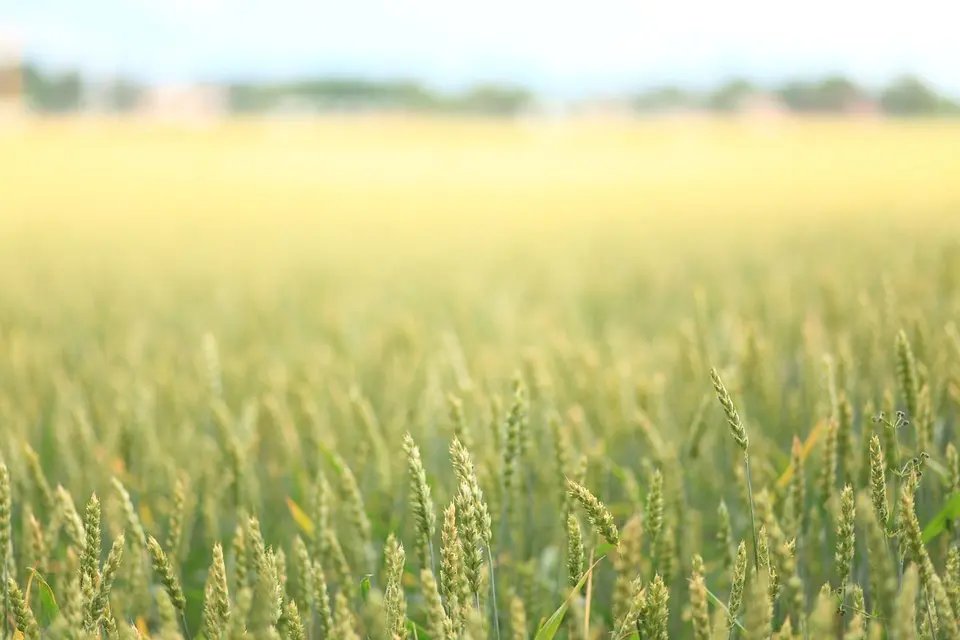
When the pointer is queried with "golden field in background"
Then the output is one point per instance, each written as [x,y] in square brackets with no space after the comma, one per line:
[431,182]
[463,203]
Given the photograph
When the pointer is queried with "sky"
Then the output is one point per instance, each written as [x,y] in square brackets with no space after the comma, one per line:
[560,47]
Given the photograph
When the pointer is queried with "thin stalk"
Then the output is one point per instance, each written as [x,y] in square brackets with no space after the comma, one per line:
[186,627]
[493,593]
[528,539]
[892,519]
[6,598]
[843,608]
[800,573]
[891,529]
[717,601]
[926,597]
[753,516]
[561,571]
[586,612]
[502,529]
[732,633]
[803,590]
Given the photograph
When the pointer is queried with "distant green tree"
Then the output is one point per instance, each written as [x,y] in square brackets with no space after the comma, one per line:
[123,95]
[664,98]
[837,93]
[910,96]
[247,97]
[52,92]
[334,93]
[494,99]
[798,96]
[832,94]
[357,93]
[354,93]
[731,94]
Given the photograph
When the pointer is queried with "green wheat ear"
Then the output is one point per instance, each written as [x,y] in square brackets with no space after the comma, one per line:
[878,483]
[733,418]
[653,510]
[421,502]
[907,375]
[100,603]
[845,538]
[439,624]
[293,627]
[322,604]
[598,514]
[216,605]
[23,616]
[759,617]
[735,601]
[700,611]
[574,551]
[164,571]
[394,600]
[90,557]
[177,517]
[740,437]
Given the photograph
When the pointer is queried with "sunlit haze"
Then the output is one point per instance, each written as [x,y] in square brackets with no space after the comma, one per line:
[562,48]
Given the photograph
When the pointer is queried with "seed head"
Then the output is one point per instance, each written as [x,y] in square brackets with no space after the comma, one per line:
[597,513]
[733,418]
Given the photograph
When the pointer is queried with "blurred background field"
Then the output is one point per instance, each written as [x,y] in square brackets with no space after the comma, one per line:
[377,205]
[163,144]
[498,231]
[408,187]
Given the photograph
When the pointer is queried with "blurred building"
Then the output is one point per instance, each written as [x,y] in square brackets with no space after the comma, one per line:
[606,108]
[293,107]
[546,109]
[184,102]
[863,109]
[11,78]
[763,105]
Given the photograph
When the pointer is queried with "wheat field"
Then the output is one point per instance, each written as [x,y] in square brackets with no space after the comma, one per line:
[402,378]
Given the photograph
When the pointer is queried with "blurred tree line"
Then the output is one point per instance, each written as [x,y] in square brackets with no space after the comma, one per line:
[60,92]
[905,96]
[70,91]
[354,94]
[66,91]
